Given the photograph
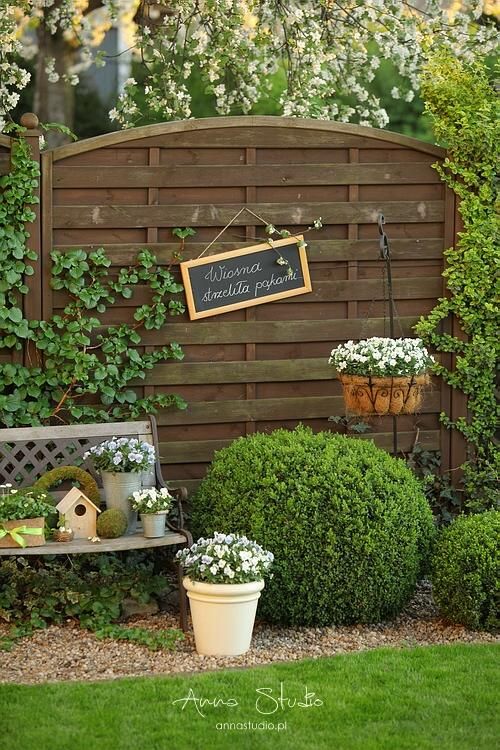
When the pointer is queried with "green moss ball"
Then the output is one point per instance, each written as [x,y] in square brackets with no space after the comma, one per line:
[112,524]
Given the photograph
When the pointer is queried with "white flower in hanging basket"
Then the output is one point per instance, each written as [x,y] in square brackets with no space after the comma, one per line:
[381,357]
[382,375]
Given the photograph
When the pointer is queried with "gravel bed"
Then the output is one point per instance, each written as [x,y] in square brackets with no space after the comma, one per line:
[67,652]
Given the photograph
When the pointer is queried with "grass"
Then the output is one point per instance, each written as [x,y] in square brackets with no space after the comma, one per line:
[443,697]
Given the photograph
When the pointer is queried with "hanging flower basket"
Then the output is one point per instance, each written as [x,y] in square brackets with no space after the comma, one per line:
[364,394]
[382,375]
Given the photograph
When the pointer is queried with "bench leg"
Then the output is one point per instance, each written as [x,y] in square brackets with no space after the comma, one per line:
[183,601]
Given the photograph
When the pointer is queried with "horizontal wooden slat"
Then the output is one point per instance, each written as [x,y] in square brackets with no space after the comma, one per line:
[244,175]
[219,215]
[203,450]
[264,138]
[324,291]
[318,251]
[190,452]
[264,371]
[368,289]
[272,331]
[255,410]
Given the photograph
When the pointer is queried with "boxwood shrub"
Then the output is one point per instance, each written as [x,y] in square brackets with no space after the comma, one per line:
[466,571]
[348,524]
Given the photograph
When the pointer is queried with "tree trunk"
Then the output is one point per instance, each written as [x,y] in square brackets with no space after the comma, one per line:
[53,102]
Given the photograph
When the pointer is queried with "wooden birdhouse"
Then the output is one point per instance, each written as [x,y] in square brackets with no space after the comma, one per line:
[79,513]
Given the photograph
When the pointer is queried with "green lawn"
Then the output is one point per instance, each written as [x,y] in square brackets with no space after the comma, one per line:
[434,698]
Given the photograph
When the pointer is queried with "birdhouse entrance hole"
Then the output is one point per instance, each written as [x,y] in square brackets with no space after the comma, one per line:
[80,510]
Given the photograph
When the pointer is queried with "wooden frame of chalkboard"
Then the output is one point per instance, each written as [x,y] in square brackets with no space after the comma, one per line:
[246,277]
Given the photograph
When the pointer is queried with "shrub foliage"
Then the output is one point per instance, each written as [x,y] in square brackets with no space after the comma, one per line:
[86,588]
[464,107]
[78,369]
[349,525]
[466,571]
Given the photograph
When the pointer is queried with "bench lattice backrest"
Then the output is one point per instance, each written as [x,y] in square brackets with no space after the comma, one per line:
[27,453]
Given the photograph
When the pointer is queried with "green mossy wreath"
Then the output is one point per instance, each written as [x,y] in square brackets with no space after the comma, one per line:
[87,483]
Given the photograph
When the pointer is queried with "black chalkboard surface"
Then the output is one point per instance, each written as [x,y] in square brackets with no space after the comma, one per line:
[246,277]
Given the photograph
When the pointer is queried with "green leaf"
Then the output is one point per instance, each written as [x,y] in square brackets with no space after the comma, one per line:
[15,314]
[134,356]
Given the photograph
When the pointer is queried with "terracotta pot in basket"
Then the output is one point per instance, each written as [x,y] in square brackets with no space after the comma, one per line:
[367,394]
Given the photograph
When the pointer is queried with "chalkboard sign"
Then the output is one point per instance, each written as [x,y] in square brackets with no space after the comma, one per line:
[246,277]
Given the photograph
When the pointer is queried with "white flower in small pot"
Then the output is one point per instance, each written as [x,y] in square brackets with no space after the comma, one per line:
[382,375]
[225,575]
[121,463]
[153,506]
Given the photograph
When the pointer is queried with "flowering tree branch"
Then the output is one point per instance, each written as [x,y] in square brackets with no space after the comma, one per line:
[328,50]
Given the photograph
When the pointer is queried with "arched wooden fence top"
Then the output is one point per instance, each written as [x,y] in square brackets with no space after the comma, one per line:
[4,141]
[292,124]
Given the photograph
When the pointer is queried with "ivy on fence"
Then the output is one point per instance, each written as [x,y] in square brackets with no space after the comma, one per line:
[78,369]
[464,107]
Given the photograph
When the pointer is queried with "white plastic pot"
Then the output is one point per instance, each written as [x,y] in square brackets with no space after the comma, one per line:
[223,615]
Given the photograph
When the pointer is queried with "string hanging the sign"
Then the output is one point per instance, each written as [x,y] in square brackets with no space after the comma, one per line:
[236,216]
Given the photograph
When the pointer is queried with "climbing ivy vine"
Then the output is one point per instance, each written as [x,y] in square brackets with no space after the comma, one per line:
[462,102]
[78,368]
[16,200]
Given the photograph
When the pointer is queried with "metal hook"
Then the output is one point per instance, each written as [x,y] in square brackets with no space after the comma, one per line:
[384,240]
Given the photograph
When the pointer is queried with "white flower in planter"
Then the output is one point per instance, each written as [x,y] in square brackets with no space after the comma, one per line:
[381,357]
[225,559]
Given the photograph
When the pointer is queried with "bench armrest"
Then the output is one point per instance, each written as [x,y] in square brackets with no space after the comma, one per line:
[181,496]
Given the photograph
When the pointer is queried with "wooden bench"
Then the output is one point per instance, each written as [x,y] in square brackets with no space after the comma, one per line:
[28,452]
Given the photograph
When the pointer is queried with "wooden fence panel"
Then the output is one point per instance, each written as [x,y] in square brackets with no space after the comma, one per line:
[266,366]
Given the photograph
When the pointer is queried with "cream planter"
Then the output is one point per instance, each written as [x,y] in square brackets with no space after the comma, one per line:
[118,486]
[223,615]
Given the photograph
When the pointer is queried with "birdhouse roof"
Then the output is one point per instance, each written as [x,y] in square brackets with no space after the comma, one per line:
[73,497]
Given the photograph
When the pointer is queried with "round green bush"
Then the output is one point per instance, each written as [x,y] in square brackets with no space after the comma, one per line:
[466,571]
[349,525]
[111,523]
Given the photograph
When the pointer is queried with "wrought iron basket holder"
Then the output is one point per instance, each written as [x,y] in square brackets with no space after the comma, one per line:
[367,394]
